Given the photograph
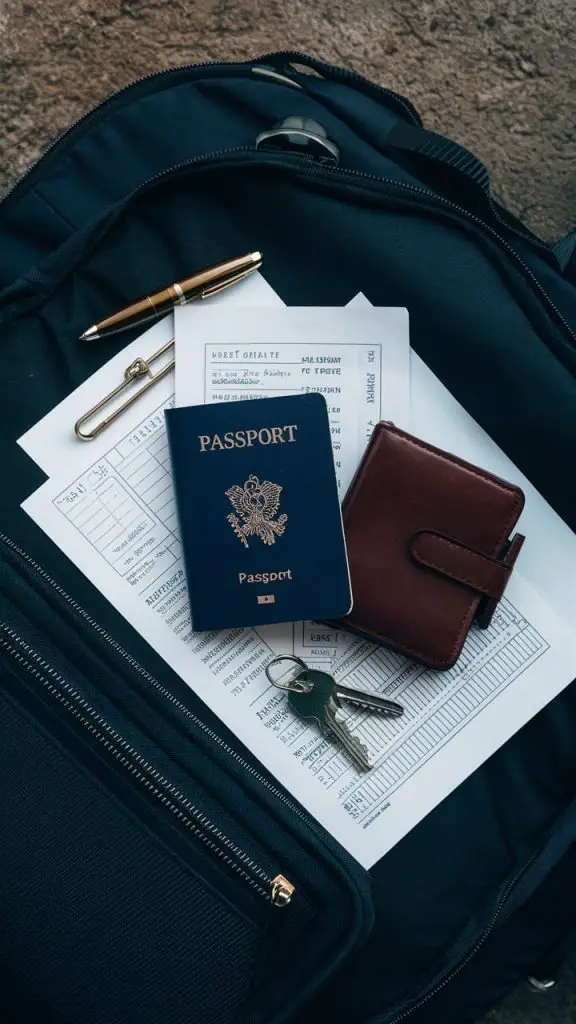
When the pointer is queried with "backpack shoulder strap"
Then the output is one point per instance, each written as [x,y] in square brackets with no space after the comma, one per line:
[436,147]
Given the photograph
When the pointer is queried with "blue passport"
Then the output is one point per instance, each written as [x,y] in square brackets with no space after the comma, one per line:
[259,511]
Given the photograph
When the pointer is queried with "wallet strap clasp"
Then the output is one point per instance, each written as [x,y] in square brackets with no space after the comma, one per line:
[487,576]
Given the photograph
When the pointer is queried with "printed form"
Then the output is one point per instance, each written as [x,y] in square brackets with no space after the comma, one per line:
[357,358]
[111,511]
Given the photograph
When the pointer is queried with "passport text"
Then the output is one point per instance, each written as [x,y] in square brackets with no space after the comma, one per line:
[248,438]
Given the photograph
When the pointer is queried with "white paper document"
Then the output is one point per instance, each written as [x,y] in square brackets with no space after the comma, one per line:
[357,358]
[109,505]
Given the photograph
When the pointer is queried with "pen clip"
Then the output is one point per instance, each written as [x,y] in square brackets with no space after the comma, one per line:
[138,368]
[213,289]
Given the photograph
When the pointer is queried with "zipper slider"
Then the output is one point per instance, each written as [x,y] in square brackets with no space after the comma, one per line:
[282,891]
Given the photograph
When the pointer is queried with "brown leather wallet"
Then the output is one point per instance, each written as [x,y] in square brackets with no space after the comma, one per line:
[428,546]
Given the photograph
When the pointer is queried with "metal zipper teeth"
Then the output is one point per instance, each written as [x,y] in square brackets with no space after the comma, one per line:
[295,56]
[363,175]
[135,665]
[194,820]
[472,952]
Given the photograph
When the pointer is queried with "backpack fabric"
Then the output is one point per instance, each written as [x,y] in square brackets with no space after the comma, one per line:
[111,910]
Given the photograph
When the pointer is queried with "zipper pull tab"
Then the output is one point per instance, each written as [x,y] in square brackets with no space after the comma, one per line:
[281,891]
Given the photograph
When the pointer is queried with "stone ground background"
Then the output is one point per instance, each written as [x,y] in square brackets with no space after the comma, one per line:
[497,75]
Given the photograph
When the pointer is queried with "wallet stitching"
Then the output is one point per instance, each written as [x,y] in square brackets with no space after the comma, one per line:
[510,522]
[462,579]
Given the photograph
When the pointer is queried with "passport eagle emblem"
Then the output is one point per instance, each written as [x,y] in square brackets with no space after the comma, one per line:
[255,505]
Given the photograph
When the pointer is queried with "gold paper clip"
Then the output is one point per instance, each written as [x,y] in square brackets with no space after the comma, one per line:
[138,369]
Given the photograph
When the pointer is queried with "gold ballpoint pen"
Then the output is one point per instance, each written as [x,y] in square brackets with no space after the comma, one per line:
[200,286]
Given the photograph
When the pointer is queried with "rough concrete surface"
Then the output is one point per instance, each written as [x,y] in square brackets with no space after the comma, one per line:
[497,75]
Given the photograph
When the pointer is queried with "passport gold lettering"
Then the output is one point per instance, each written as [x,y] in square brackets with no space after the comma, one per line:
[265,577]
[248,438]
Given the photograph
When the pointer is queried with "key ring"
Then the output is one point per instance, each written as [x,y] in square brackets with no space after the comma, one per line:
[293,683]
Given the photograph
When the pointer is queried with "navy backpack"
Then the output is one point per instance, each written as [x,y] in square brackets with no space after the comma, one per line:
[140,841]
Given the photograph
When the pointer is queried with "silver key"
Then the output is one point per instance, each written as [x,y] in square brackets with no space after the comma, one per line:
[367,701]
[337,725]
[317,704]
[315,696]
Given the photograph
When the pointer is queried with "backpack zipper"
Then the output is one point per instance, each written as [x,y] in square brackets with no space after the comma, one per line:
[136,667]
[278,889]
[295,56]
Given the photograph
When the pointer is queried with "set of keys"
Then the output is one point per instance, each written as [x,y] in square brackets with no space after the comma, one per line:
[315,696]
